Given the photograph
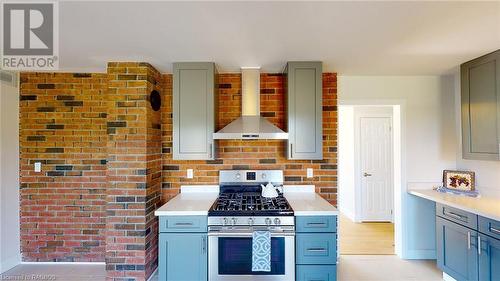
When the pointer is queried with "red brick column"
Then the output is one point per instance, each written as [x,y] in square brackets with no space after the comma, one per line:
[134,172]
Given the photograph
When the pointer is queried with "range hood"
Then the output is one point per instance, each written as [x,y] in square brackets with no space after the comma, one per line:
[250,125]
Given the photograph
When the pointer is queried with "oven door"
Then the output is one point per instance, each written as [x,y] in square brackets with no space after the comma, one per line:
[230,256]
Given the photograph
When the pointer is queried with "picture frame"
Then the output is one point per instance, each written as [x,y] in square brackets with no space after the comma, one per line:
[459,180]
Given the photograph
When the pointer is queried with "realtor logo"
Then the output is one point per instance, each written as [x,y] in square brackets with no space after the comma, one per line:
[29,34]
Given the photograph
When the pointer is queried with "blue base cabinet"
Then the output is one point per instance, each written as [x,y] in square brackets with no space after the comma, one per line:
[183,247]
[489,259]
[456,255]
[316,272]
[468,246]
[316,248]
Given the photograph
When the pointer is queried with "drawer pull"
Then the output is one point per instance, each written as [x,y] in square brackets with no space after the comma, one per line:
[468,240]
[494,230]
[479,245]
[454,215]
[316,224]
[183,223]
[316,250]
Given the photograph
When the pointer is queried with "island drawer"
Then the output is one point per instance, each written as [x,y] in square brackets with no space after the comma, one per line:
[183,224]
[316,248]
[456,215]
[316,224]
[489,227]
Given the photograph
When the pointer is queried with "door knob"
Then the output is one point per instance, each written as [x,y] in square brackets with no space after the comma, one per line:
[367,175]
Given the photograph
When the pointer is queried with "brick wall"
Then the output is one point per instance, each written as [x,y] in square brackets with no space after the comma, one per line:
[63,126]
[107,159]
[254,154]
[134,172]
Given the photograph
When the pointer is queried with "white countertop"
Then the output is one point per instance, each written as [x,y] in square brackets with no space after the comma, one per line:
[488,207]
[196,200]
[306,202]
[192,201]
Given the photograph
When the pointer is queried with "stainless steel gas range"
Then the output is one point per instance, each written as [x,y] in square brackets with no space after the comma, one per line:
[239,210]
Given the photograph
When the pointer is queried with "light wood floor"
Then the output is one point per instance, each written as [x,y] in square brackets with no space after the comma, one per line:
[350,268]
[372,238]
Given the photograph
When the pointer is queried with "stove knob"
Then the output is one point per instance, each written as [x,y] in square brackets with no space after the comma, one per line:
[277,221]
[224,222]
[250,221]
[268,221]
[233,221]
[238,176]
[264,176]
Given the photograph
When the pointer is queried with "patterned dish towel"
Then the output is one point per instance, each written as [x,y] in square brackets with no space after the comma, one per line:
[261,251]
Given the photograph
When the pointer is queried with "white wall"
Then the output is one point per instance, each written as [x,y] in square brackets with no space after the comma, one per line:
[487,172]
[9,177]
[429,142]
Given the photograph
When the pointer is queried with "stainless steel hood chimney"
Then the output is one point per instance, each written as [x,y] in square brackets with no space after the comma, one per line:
[250,125]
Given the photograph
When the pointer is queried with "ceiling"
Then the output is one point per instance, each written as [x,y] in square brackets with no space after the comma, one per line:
[351,38]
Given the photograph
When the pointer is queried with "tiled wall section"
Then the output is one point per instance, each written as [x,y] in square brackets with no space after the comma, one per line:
[254,154]
[63,126]
[134,161]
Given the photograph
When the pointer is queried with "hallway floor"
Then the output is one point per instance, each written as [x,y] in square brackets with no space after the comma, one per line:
[350,268]
[369,238]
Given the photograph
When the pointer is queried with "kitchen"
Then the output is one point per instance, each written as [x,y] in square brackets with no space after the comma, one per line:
[168,157]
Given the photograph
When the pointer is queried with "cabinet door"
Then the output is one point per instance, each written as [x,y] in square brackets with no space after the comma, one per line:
[489,259]
[305,98]
[183,257]
[317,272]
[480,87]
[456,250]
[193,111]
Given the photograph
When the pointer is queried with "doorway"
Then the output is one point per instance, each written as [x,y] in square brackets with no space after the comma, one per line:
[366,180]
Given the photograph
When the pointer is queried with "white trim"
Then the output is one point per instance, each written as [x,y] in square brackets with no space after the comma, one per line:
[65,262]
[447,277]
[399,107]
[153,274]
[9,263]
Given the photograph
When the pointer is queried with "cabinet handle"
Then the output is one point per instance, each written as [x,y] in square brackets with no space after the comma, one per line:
[316,250]
[210,152]
[456,216]
[492,229]
[479,245]
[204,245]
[183,223]
[316,224]
[291,150]
[468,240]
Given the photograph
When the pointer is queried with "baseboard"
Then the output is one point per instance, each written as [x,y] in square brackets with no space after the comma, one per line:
[447,277]
[420,255]
[63,262]
[9,264]
[153,274]
[348,214]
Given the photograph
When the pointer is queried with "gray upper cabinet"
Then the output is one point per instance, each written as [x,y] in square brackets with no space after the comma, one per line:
[305,96]
[480,87]
[193,111]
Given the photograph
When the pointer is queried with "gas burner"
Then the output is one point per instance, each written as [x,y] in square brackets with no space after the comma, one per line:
[240,195]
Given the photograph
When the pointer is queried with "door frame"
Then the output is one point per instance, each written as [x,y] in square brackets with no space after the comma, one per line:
[399,149]
[369,112]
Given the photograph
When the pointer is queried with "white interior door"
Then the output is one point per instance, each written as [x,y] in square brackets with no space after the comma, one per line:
[376,168]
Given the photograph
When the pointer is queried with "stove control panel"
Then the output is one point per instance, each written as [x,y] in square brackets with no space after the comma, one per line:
[251,176]
[251,221]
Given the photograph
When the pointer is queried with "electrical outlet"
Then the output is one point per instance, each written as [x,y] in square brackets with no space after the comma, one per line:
[310,173]
[189,173]
[38,167]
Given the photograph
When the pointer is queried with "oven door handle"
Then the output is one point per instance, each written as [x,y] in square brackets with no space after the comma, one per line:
[247,234]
